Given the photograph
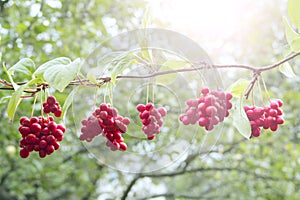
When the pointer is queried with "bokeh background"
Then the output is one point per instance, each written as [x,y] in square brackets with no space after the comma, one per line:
[231,32]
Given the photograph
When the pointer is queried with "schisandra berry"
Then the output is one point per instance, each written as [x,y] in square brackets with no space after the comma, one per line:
[268,117]
[52,106]
[40,134]
[210,109]
[151,119]
[107,121]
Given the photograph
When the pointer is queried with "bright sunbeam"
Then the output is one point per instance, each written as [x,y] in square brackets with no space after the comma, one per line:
[212,16]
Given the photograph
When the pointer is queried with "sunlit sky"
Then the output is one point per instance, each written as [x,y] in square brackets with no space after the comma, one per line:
[217,23]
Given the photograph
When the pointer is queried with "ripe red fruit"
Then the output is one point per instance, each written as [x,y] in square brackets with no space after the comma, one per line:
[61,127]
[35,127]
[42,153]
[22,119]
[208,110]
[107,121]
[51,100]
[151,119]
[205,91]
[58,113]
[266,117]
[141,107]
[24,130]
[39,135]
[24,153]
[43,144]
[50,149]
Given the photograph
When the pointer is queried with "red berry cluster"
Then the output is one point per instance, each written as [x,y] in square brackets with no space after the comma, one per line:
[151,119]
[209,110]
[40,134]
[264,117]
[107,121]
[51,105]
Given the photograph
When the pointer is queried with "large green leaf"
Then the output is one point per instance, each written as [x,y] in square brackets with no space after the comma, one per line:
[240,119]
[292,37]
[16,98]
[61,61]
[294,12]
[287,70]
[60,75]
[25,66]
[238,88]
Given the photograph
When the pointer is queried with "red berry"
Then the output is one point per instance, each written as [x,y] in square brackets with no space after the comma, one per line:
[50,149]
[43,144]
[34,120]
[51,100]
[22,119]
[26,122]
[42,153]
[228,96]
[123,146]
[61,127]
[149,106]
[24,153]
[24,130]
[104,107]
[56,145]
[141,107]
[35,127]
[126,121]
[205,91]
[58,113]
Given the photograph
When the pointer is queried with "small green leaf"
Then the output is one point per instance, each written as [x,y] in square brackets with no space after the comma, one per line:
[238,88]
[15,99]
[62,61]
[15,86]
[25,66]
[287,70]
[90,75]
[60,75]
[292,37]
[176,64]
[294,12]
[68,102]
[240,119]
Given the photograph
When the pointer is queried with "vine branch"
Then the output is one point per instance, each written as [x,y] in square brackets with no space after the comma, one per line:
[256,73]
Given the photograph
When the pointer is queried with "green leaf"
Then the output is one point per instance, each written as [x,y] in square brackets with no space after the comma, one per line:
[176,64]
[292,37]
[61,61]
[68,102]
[4,99]
[168,66]
[60,75]
[25,66]
[240,119]
[90,75]
[15,86]
[166,79]
[15,99]
[238,88]
[287,70]
[294,12]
